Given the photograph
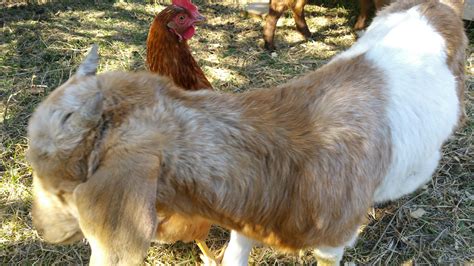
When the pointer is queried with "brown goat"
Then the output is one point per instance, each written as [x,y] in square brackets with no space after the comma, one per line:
[295,166]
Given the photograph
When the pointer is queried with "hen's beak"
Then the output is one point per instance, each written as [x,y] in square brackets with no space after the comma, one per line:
[199,19]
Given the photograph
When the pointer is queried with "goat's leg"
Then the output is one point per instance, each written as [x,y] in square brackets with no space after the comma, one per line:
[274,13]
[238,250]
[327,256]
[363,13]
[300,21]
[333,255]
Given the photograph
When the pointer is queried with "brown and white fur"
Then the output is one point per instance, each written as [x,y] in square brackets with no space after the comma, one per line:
[294,166]
[366,5]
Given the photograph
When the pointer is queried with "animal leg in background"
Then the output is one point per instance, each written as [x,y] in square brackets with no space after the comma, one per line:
[298,15]
[274,13]
[277,8]
[380,3]
[365,6]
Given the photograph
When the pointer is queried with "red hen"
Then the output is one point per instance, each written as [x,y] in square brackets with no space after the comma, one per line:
[168,52]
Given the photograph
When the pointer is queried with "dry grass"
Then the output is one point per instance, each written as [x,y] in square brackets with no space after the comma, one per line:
[42,44]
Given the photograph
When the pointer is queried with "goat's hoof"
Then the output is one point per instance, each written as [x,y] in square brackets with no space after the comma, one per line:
[305,33]
[269,47]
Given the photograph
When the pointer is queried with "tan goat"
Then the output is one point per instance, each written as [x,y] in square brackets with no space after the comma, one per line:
[295,166]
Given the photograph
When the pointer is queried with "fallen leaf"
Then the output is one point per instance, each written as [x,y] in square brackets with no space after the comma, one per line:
[417,213]
[37,89]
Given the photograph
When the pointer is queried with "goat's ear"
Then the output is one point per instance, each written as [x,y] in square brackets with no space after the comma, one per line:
[89,114]
[88,67]
[116,208]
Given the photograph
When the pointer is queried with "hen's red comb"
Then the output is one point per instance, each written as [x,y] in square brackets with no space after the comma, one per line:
[186,4]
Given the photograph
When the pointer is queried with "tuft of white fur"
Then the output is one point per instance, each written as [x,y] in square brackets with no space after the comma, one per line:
[423,107]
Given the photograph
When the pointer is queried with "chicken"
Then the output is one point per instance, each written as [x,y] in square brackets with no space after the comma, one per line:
[168,52]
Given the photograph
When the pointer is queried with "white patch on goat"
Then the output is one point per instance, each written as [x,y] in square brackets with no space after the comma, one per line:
[374,34]
[422,106]
[334,254]
[238,251]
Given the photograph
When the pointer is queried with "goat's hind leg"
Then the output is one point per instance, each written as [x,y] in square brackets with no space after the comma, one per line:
[365,6]
[274,13]
[300,20]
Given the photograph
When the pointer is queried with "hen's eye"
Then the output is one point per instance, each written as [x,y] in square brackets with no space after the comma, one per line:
[182,17]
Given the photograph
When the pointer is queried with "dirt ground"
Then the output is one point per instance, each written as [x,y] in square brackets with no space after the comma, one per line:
[42,44]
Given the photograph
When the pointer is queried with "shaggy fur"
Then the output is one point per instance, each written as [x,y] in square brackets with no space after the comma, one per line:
[294,167]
